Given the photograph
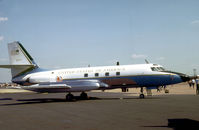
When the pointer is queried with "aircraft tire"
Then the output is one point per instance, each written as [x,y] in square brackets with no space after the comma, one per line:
[84,96]
[141,96]
[69,97]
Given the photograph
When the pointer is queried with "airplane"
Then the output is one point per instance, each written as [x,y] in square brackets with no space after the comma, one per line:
[27,73]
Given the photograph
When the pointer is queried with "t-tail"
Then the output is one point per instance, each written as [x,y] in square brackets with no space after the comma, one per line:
[20,60]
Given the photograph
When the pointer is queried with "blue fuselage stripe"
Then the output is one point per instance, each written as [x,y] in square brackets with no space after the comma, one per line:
[146,80]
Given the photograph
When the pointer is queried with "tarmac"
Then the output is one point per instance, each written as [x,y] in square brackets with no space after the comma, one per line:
[102,111]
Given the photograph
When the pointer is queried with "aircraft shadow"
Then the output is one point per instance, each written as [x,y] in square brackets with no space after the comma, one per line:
[181,124]
[45,100]
[76,98]
[2,99]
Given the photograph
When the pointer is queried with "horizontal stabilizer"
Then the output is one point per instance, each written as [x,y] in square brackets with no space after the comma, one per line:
[19,69]
[15,66]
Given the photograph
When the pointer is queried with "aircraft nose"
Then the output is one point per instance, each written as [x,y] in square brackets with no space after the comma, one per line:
[178,78]
[185,78]
[182,77]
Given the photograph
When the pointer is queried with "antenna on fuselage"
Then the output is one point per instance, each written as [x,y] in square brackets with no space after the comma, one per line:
[118,63]
[146,61]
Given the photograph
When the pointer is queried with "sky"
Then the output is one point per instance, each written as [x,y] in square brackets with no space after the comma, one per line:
[76,33]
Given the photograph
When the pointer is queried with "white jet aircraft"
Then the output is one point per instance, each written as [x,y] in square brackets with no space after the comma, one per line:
[27,73]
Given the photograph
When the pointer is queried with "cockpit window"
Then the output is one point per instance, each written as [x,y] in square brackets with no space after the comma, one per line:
[157,69]
[153,69]
[162,68]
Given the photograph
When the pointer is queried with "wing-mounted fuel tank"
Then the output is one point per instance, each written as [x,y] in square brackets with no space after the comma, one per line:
[41,78]
[66,86]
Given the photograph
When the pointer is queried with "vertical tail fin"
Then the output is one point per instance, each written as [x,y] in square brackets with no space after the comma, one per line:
[20,60]
[19,55]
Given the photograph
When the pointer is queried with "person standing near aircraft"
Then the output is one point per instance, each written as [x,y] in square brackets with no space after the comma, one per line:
[197,87]
[193,83]
[190,83]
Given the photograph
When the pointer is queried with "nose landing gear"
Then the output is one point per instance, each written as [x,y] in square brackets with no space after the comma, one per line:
[142,94]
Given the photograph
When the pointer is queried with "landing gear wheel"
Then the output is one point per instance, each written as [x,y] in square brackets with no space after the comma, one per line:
[69,97]
[141,96]
[166,91]
[83,96]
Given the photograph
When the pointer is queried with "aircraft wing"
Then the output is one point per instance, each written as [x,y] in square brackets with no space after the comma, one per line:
[43,86]
[67,86]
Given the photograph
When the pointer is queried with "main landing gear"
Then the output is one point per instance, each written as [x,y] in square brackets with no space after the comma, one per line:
[70,97]
[142,94]
[84,96]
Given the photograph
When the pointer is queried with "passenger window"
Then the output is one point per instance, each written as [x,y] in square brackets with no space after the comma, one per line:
[96,74]
[117,73]
[107,74]
[86,75]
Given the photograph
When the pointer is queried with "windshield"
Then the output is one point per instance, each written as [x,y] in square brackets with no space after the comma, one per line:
[157,69]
